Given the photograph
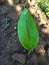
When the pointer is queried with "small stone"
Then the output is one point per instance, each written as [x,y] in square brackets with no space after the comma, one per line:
[18,8]
[11,2]
[40,50]
[15,28]
[32,10]
[38,11]
[45,30]
[19,57]
[42,21]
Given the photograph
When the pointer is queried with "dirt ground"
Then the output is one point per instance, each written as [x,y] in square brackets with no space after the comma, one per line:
[11,51]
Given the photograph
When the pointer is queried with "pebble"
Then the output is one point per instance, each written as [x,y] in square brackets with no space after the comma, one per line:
[18,8]
[40,50]
[38,11]
[10,2]
[15,28]
[19,57]
[33,10]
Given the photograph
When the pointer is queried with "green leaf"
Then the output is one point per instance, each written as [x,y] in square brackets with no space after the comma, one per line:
[42,6]
[47,9]
[27,30]
[47,13]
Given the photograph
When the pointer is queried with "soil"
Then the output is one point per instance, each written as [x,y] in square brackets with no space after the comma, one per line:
[11,51]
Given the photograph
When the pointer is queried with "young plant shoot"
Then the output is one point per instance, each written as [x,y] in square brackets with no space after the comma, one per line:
[27,31]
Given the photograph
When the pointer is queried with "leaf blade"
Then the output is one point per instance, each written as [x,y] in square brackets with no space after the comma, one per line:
[27,30]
